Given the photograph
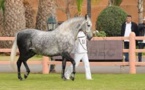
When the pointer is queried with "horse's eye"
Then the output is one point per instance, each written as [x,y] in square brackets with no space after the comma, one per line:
[88,25]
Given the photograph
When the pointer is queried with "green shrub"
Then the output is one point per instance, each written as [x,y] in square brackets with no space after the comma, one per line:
[110,20]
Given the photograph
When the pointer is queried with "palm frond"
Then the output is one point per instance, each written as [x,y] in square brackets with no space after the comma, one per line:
[2,4]
[79,5]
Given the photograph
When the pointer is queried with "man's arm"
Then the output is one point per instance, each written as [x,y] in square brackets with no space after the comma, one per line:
[135,28]
[122,29]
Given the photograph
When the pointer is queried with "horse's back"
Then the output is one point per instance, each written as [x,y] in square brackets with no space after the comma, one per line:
[29,33]
[41,42]
[25,34]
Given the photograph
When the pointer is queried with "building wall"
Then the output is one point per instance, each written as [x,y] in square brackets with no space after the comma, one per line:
[130,6]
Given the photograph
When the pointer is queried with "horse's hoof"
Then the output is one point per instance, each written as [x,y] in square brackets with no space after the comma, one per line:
[64,78]
[20,78]
[72,78]
[25,76]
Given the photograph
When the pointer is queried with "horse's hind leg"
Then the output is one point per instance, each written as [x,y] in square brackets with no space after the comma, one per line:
[23,58]
[28,55]
[27,69]
[19,63]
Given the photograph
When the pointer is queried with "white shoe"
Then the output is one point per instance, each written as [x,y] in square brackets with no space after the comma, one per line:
[67,76]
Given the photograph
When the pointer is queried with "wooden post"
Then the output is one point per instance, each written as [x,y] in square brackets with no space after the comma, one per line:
[45,68]
[132,47]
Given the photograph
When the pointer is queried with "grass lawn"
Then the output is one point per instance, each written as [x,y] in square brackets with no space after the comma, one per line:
[9,81]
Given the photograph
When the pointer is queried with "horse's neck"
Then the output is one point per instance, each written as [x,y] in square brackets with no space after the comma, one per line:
[68,29]
[76,28]
[75,33]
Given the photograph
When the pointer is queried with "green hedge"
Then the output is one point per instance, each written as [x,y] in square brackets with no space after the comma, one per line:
[110,20]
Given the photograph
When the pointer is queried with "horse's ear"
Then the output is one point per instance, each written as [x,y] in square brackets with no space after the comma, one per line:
[86,16]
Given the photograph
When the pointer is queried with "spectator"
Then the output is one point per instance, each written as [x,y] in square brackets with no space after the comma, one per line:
[141,43]
[126,29]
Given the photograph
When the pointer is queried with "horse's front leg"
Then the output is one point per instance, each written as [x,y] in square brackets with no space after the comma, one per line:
[63,68]
[68,57]
[72,77]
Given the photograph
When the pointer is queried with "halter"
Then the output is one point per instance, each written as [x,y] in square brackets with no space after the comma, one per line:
[80,28]
[86,27]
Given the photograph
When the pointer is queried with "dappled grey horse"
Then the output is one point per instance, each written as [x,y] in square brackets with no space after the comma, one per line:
[50,43]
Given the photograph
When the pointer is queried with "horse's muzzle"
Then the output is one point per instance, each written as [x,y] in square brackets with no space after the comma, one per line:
[89,38]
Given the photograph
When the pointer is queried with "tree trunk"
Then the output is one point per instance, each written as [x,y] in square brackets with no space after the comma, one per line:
[1,22]
[65,6]
[89,8]
[14,19]
[109,2]
[53,10]
[43,14]
[114,2]
[67,11]
[140,11]
[29,15]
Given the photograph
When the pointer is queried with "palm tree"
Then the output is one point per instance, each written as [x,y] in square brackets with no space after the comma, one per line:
[29,15]
[43,14]
[67,9]
[140,10]
[1,22]
[1,15]
[80,3]
[114,2]
[110,2]
[65,6]
[14,18]
[79,6]
[2,5]
[89,8]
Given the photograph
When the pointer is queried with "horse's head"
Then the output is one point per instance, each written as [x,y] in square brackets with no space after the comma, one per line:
[86,27]
[75,24]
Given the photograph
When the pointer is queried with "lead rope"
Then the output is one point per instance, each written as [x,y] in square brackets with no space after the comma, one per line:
[79,29]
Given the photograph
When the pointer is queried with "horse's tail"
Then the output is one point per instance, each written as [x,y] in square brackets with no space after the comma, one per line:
[13,53]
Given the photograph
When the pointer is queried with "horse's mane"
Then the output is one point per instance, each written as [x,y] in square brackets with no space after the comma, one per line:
[69,22]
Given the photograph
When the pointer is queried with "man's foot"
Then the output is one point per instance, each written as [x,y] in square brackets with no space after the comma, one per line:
[89,79]
[67,76]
